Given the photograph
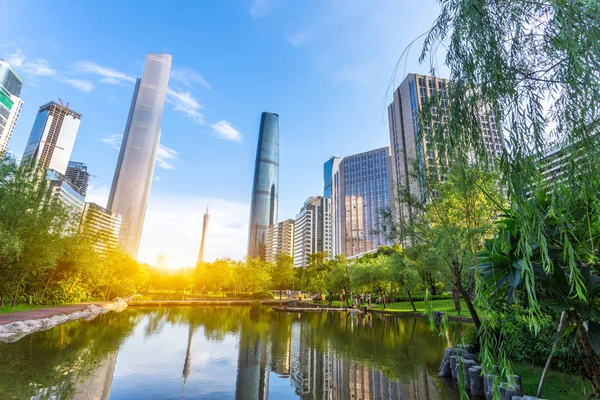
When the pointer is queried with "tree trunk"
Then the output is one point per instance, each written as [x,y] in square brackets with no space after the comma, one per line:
[412,303]
[470,306]
[2,301]
[591,364]
[73,284]
[280,294]
[46,287]
[346,296]
[456,298]
[383,297]
[549,361]
[14,302]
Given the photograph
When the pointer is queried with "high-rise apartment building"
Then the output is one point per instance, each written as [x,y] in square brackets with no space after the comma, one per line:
[101,225]
[53,136]
[135,166]
[10,102]
[203,240]
[312,233]
[78,176]
[409,145]
[361,189]
[265,189]
[72,201]
[280,240]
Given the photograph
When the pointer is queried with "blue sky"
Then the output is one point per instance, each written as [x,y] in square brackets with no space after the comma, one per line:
[323,66]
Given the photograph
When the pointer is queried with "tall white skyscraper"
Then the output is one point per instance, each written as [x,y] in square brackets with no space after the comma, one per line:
[312,231]
[135,166]
[10,102]
[361,189]
[53,136]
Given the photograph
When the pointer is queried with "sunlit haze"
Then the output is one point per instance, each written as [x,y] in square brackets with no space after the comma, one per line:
[323,66]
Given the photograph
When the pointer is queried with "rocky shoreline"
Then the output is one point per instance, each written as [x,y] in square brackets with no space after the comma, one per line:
[14,331]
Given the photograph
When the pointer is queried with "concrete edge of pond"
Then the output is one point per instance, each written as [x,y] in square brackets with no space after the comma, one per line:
[224,303]
[47,318]
[412,314]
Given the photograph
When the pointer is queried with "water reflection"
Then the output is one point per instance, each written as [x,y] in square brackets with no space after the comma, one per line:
[225,353]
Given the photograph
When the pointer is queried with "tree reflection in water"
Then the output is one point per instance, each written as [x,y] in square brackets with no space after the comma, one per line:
[320,355]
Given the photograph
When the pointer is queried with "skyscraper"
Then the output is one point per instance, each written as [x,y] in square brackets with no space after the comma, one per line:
[312,233]
[361,188]
[265,189]
[10,102]
[135,166]
[204,228]
[78,176]
[329,169]
[101,225]
[72,201]
[53,136]
[280,240]
[409,145]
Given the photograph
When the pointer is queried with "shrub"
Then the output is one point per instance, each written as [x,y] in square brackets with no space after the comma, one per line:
[250,295]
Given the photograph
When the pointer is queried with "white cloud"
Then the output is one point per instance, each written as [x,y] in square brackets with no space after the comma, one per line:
[300,38]
[223,130]
[113,140]
[166,157]
[363,74]
[38,67]
[81,84]
[107,75]
[262,8]
[173,225]
[186,103]
[98,194]
[188,77]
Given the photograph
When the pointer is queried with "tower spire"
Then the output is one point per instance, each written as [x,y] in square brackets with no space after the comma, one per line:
[203,240]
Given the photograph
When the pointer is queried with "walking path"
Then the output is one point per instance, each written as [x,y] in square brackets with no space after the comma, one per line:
[46,312]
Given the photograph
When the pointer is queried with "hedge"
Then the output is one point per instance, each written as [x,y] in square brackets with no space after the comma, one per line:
[250,295]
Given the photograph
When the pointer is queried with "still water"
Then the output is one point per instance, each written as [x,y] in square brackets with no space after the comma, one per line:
[229,353]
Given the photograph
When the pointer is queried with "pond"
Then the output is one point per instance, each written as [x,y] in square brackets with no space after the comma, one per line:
[229,353]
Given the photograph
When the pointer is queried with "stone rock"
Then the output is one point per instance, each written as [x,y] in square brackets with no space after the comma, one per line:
[466,364]
[476,381]
[454,367]
[488,386]
[445,371]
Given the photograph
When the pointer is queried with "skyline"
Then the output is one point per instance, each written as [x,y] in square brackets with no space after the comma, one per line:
[315,73]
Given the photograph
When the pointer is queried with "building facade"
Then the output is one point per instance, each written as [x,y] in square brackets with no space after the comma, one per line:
[72,201]
[52,137]
[78,176]
[135,166]
[329,169]
[313,230]
[265,188]
[101,225]
[205,221]
[10,103]
[280,240]
[362,187]
[412,148]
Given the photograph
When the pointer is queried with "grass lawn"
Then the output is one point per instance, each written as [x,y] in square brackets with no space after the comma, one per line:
[558,385]
[446,306]
[21,307]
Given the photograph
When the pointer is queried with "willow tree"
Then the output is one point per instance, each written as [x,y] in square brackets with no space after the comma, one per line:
[535,65]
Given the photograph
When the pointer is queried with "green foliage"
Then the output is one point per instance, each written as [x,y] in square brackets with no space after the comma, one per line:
[250,295]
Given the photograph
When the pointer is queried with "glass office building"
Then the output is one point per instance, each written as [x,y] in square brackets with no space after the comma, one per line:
[135,166]
[361,189]
[53,136]
[265,189]
[10,102]
[329,169]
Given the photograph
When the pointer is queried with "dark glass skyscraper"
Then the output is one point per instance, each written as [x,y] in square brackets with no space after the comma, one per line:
[265,190]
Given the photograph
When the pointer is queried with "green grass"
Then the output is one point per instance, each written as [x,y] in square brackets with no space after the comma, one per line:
[21,307]
[558,385]
[446,306]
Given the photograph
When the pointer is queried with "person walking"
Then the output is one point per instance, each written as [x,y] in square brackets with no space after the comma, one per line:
[341,299]
[369,298]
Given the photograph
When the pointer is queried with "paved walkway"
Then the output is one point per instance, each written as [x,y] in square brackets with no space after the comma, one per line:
[46,312]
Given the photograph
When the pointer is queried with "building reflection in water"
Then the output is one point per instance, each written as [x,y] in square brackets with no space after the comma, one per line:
[321,372]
